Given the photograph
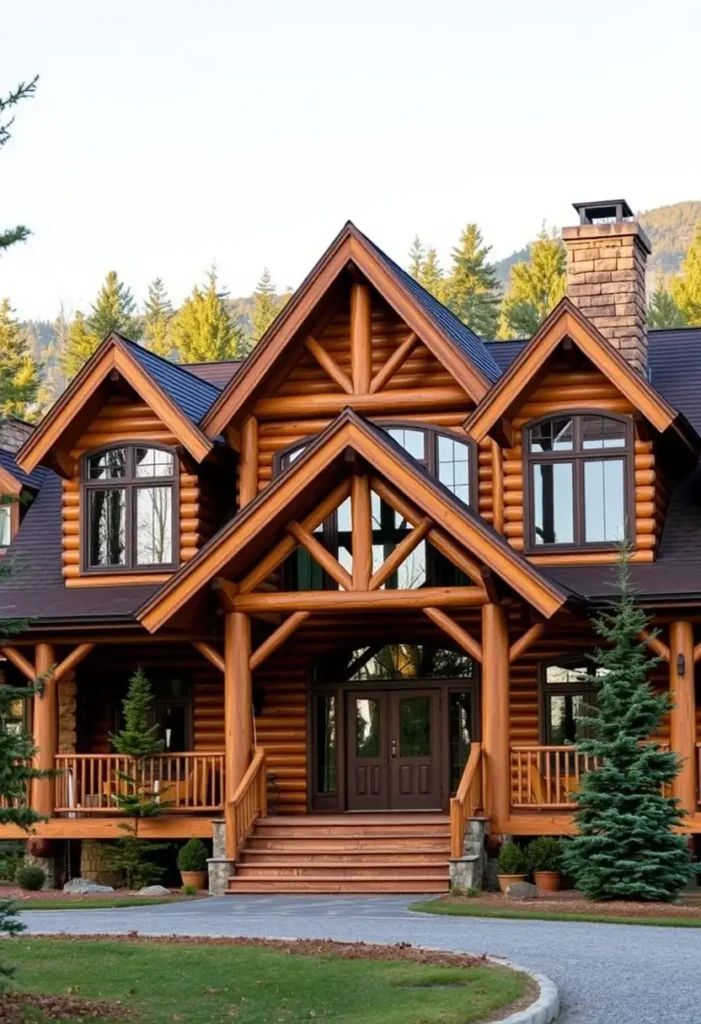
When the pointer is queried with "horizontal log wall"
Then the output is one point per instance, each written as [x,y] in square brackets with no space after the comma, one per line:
[565,389]
[130,419]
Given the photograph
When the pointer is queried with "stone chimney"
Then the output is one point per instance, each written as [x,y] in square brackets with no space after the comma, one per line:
[606,257]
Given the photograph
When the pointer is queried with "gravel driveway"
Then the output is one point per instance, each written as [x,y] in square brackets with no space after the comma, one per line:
[606,973]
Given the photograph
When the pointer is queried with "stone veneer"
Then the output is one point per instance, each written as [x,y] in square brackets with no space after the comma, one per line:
[606,280]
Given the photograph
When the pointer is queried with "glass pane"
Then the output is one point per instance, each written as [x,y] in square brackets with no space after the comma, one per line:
[412,572]
[564,674]
[408,661]
[412,441]
[154,525]
[172,727]
[552,503]
[107,465]
[310,575]
[291,456]
[564,710]
[415,727]
[604,500]
[553,436]
[460,724]
[367,727]
[153,462]
[453,467]
[325,743]
[602,432]
[343,516]
[5,519]
[107,527]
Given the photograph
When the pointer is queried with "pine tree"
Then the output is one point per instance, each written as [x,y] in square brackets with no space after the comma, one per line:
[266,305]
[536,286]
[19,371]
[158,316]
[23,90]
[79,346]
[138,741]
[204,329]
[431,275]
[686,288]
[626,846]
[663,311]
[114,310]
[417,255]
[472,290]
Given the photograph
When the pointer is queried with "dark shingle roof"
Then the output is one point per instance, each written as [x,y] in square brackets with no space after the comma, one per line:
[219,374]
[189,392]
[469,343]
[31,480]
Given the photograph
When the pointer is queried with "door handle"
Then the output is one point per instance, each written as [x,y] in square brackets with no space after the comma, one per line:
[394,749]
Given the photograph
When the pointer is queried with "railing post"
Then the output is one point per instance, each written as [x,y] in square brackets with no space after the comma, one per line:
[495,714]
[45,730]
[238,731]
[682,719]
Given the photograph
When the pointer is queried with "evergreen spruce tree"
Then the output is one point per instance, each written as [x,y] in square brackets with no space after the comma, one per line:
[114,310]
[80,343]
[266,305]
[663,311]
[417,255]
[686,287]
[19,372]
[626,847]
[204,329]
[158,316]
[25,89]
[431,275]
[472,290]
[138,741]
[536,286]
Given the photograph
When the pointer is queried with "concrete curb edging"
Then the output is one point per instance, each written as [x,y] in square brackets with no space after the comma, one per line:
[545,1009]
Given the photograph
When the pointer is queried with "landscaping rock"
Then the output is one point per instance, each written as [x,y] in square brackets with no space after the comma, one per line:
[155,890]
[84,885]
[523,891]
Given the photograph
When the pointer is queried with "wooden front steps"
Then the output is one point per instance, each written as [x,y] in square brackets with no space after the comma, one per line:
[345,853]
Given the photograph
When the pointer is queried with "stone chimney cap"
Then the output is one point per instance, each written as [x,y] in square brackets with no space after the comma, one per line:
[603,210]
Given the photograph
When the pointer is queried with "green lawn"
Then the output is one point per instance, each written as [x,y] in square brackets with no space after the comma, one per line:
[207,984]
[97,903]
[474,909]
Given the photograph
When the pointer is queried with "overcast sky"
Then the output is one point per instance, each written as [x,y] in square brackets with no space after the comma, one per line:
[168,133]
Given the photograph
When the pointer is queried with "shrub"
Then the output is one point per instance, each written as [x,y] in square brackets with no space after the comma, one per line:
[30,877]
[193,856]
[511,860]
[189,890]
[11,858]
[544,854]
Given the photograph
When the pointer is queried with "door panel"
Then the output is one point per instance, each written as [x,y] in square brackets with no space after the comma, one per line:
[415,761]
[367,732]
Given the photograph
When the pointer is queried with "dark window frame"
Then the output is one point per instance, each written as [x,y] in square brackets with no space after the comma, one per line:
[577,456]
[557,689]
[130,483]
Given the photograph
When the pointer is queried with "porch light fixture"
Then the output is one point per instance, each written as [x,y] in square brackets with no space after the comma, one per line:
[681,665]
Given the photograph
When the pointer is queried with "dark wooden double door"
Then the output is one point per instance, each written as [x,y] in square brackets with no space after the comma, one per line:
[393,755]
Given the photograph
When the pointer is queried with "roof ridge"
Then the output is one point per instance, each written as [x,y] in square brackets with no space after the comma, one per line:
[167,362]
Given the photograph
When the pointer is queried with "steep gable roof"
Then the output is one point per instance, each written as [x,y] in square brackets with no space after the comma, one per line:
[9,467]
[567,322]
[325,459]
[192,394]
[460,350]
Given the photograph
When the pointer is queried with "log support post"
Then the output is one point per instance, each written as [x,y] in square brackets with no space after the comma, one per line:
[495,714]
[361,339]
[238,700]
[361,515]
[248,467]
[45,729]
[683,714]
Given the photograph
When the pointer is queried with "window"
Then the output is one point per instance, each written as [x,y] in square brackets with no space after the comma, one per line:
[130,508]
[567,691]
[5,525]
[577,473]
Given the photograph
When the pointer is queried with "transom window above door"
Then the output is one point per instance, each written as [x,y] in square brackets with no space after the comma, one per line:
[129,508]
[578,477]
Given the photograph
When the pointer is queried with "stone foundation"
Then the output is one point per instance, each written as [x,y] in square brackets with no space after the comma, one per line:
[93,865]
[219,866]
[468,871]
[67,691]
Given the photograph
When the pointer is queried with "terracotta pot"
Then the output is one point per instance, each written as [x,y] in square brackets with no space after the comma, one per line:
[196,878]
[547,881]
[506,880]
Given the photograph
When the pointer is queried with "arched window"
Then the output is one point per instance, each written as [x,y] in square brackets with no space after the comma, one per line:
[129,508]
[578,476]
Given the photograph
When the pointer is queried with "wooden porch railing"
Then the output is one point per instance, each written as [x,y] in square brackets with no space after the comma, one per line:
[466,801]
[250,801]
[90,783]
[698,774]
[546,776]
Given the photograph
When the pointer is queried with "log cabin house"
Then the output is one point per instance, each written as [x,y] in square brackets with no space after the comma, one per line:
[359,569]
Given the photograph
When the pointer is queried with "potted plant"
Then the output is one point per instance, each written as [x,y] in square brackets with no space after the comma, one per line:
[511,866]
[544,856]
[192,863]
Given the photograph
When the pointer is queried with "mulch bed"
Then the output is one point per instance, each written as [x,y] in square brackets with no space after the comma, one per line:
[572,902]
[18,1008]
[13,892]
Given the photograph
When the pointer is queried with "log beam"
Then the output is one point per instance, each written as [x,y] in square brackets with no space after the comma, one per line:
[497,489]
[341,600]
[361,515]
[210,654]
[395,361]
[655,644]
[495,713]
[226,591]
[525,642]
[71,660]
[20,662]
[328,364]
[697,652]
[455,632]
[276,639]
[321,555]
[682,718]
[248,466]
[400,554]
[360,337]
